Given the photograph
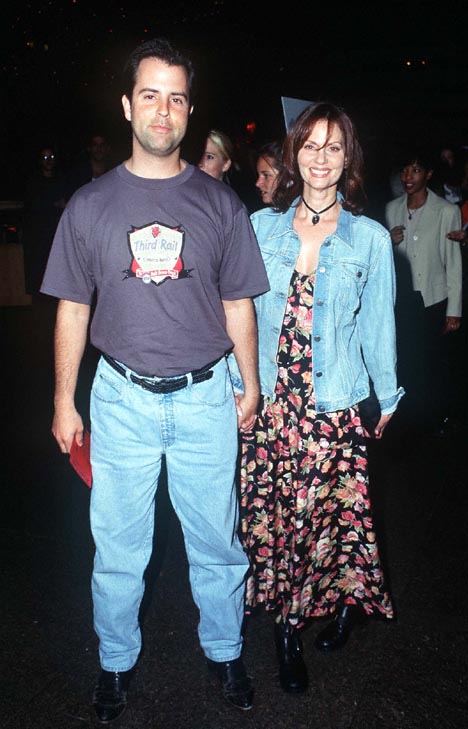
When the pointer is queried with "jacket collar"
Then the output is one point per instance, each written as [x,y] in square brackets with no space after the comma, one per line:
[284,223]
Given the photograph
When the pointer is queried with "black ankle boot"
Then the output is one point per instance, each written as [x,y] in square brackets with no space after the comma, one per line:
[336,633]
[292,670]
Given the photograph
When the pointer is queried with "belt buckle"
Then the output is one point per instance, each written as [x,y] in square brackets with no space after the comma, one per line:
[167,385]
[162,387]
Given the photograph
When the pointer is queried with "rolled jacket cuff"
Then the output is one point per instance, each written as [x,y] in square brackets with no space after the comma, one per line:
[390,404]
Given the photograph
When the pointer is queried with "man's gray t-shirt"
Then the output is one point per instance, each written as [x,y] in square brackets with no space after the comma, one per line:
[161,255]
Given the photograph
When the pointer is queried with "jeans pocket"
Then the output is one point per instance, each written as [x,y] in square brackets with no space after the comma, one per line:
[215,391]
[108,389]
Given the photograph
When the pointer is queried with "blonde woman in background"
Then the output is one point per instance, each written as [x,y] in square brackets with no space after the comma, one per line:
[218,156]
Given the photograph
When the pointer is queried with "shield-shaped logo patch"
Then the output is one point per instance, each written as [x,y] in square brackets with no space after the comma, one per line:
[157,253]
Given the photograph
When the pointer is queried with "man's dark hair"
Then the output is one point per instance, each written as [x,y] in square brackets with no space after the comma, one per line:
[161,49]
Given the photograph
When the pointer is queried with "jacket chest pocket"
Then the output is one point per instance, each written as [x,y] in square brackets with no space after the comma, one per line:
[351,280]
[272,256]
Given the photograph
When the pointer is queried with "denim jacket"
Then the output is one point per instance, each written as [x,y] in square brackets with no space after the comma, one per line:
[353,324]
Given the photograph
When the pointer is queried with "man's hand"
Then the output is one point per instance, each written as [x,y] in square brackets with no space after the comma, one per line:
[246,412]
[241,326]
[70,339]
[66,426]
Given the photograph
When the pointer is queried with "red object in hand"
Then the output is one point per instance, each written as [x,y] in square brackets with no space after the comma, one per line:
[80,459]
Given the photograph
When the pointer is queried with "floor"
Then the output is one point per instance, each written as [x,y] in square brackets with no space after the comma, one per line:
[407,674]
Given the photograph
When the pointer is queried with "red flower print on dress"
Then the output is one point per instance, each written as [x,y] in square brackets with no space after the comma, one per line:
[305,512]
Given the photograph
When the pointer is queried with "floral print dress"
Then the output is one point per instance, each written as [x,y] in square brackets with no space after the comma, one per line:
[306,521]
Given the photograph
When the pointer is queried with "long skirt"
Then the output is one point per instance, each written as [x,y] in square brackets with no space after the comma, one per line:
[306,521]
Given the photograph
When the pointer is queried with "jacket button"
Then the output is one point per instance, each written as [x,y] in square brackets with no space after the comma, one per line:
[320,302]
[317,338]
[321,409]
[359,274]
[319,374]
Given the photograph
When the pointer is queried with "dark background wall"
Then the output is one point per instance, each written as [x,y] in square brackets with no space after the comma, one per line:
[399,68]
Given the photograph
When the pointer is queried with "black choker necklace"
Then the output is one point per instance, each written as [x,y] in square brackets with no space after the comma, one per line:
[317,213]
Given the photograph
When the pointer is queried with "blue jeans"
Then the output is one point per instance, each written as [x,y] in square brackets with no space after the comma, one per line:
[196,429]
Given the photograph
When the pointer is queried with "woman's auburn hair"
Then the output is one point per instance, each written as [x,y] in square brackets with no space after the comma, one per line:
[351,184]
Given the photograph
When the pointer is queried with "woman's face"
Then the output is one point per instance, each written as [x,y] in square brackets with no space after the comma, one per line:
[321,159]
[414,178]
[266,178]
[213,162]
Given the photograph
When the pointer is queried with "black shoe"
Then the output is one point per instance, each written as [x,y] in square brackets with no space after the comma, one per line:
[236,685]
[292,669]
[110,695]
[336,633]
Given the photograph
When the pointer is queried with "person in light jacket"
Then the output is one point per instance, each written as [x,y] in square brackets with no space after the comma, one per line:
[429,288]
[326,330]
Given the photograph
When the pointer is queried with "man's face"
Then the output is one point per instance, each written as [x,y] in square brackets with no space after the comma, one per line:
[447,156]
[47,160]
[98,148]
[159,108]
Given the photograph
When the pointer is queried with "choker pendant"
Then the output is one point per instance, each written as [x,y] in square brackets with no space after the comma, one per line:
[317,213]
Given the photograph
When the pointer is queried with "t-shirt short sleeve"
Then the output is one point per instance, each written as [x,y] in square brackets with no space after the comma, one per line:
[242,273]
[68,274]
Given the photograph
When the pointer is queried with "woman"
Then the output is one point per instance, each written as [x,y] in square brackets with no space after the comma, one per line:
[429,276]
[325,327]
[268,168]
[218,156]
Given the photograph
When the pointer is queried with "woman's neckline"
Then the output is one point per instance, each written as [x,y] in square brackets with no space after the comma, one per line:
[305,275]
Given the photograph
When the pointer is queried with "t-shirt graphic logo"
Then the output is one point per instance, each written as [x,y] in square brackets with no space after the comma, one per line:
[157,253]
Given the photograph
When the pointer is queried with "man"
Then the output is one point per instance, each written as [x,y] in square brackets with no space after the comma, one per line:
[429,288]
[173,258]
[96,163]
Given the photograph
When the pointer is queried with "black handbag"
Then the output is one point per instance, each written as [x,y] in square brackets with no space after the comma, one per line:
[369,411]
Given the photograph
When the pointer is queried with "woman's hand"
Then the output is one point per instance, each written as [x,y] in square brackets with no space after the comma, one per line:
[380,427]
[397,234]
[452,323]
[460,235]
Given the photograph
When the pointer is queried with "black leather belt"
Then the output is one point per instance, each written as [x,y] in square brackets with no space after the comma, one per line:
[165,385]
